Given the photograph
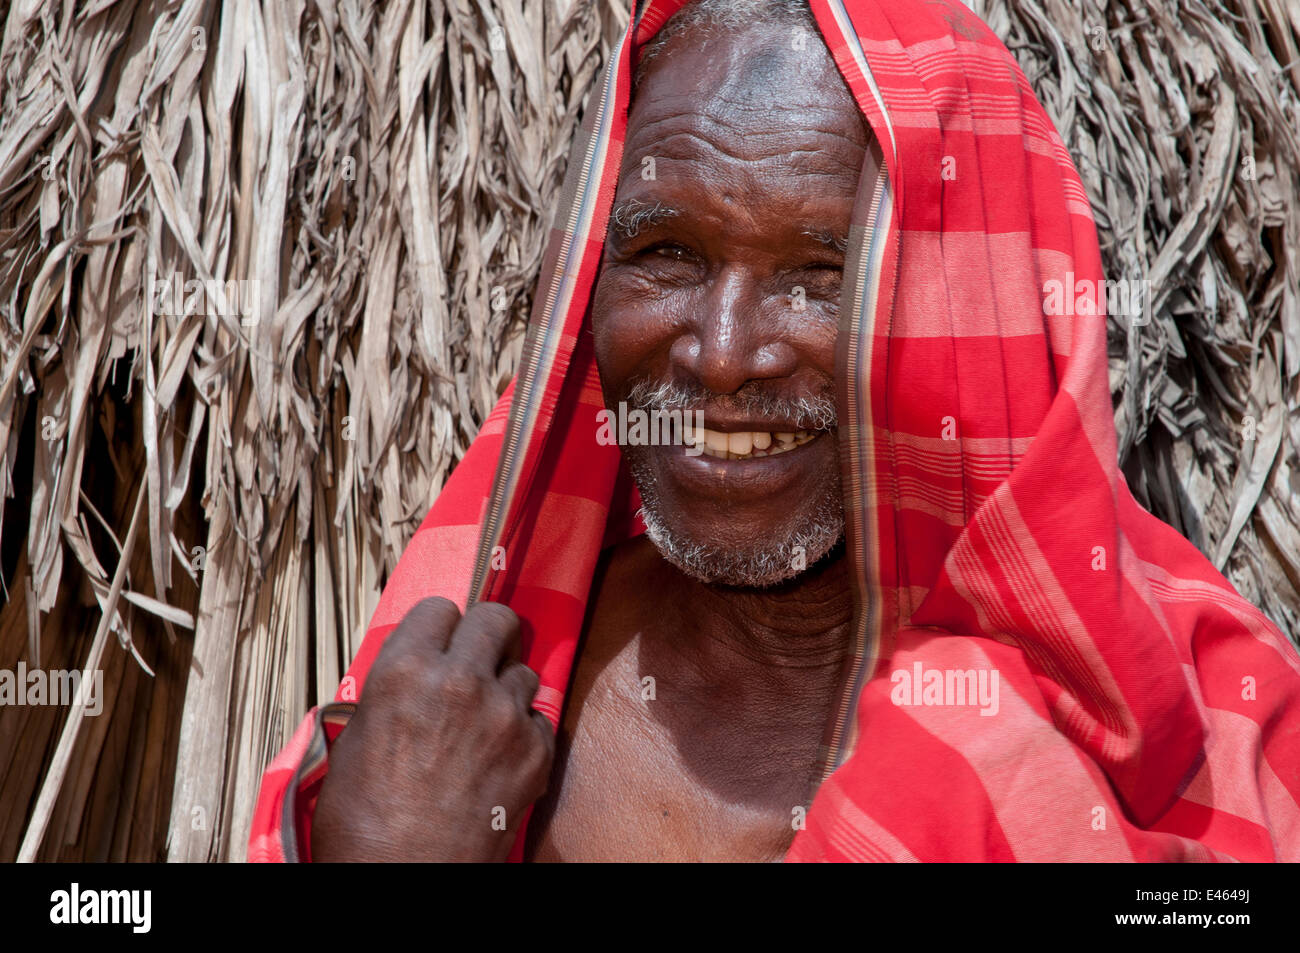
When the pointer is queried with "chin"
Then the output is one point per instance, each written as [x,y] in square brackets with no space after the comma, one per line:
[746,566]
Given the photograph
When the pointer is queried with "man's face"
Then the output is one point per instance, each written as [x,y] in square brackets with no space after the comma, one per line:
[756,150]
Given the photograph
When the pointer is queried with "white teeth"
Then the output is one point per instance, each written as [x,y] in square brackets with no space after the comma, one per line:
[745,444]
[740,443]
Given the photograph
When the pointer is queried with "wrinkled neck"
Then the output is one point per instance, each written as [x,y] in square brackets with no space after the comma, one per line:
[803,623]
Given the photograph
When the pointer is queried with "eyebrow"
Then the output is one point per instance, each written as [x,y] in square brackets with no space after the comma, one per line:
[632,215]
[837,240]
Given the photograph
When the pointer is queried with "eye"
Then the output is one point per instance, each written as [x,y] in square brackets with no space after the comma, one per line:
[823,275]
[821,280]
[669,251]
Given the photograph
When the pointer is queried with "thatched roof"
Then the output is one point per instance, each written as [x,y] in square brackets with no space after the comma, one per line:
[381,178]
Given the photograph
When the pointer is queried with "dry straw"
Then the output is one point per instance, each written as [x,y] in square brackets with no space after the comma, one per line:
[369,188]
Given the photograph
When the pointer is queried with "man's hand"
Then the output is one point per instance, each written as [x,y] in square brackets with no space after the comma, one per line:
[444,749]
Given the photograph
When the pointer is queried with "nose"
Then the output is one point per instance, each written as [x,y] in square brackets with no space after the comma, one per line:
[734,336]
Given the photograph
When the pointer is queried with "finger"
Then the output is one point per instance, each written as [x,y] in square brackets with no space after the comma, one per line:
[514,652]
[547,731]
[430,622]
[521,682]
[546,762]
[488,634]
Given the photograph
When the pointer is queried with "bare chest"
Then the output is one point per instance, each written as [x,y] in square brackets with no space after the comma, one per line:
[652,766]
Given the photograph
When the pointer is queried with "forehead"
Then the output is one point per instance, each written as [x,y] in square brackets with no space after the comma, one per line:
[754,106]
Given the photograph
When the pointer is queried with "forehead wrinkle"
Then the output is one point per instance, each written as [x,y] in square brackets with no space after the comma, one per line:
[789,93]
[765,215]
[773,121]
[782,181]
[704,139]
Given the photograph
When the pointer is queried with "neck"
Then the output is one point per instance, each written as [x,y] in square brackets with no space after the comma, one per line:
[802,623]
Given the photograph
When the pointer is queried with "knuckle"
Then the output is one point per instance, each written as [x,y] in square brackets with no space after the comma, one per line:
[530,681]
[439,602]
[438,612]
[538,759]
[396,669]
[437,606]
[521,682]
[500,714]
[494,614]
[430,616]
[460,687]
[548,743]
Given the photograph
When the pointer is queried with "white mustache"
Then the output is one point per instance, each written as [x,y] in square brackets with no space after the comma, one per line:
[806,413]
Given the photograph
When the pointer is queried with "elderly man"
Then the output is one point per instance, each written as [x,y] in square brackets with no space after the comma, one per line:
[885,594]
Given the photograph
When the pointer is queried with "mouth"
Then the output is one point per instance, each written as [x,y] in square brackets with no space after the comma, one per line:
[745,444]
[759,476]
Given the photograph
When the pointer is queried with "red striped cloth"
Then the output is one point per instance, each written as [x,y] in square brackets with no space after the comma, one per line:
[1145,711]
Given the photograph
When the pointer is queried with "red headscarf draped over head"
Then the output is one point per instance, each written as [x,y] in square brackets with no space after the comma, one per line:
[1123,701]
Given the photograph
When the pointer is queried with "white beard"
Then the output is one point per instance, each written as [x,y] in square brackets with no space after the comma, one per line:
[776,555]
[767,564]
